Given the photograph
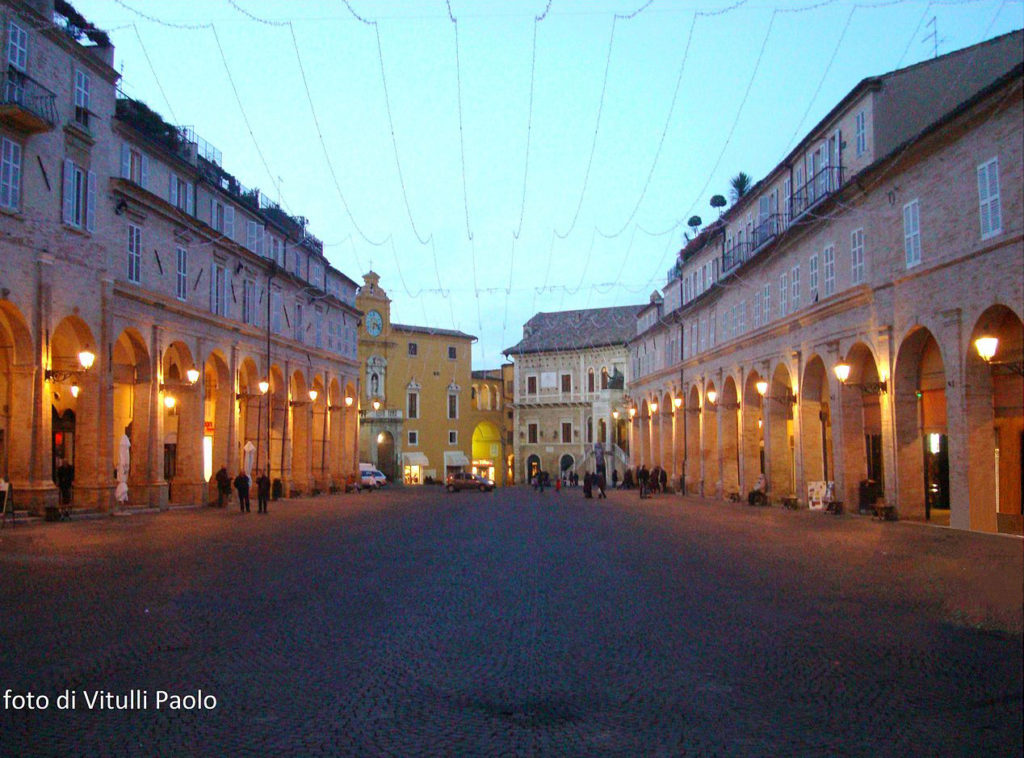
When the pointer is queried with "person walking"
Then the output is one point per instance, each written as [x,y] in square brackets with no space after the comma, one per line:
[615,478]
[587,486]
[262,491]
[242,485]
[663,480]
[223,486]
[644,478]
[601,483]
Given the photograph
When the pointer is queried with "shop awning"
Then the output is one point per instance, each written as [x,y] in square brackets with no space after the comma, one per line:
[455,458]
[415,459]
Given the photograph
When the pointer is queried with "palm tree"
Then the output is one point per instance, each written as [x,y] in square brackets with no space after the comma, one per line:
[739,186]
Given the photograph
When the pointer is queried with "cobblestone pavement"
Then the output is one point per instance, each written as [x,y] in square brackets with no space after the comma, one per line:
[416,622]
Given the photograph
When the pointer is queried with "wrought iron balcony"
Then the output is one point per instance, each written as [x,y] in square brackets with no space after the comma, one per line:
[25,104]
[824,183]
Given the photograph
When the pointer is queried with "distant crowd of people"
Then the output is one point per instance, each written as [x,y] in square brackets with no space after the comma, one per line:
[648,481]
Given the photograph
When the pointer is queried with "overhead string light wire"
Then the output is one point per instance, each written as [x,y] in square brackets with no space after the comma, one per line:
[391,122]
[600,110]
[462,139]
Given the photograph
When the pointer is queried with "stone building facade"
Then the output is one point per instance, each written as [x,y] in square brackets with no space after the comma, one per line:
[826,328]
[421,406]
[569,381]
[218,332]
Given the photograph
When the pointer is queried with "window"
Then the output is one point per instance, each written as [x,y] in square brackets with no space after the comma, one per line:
[277,250]
[590,380]
[604,378]
[17,46]
[318,326]
[741,312]
[297,264]
[10,175]
[413,348]
[453,437]
[275,312]
[783,294]
[451,352]
[222,218]
[531,385]
[988,199]
[453,405]
[300,333]
[78,208]
[249,301]
[180,194]
[829,257]
[757,309]
[82,98]
[181,278]
[861,133]
[414,438]
[254,236]
[857,256]
[912,232]
[812,277]
[712,320]
[134,253]
[566,431]
[219,290]
[138,168]
[413,405]
[531,433]
[316,272]
[566,383]
[766,304]
[794,288]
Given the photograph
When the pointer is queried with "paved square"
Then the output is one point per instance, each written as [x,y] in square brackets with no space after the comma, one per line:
[421,623]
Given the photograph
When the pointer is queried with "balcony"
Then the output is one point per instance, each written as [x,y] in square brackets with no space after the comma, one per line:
[734,255]
[824,183]
[26,105]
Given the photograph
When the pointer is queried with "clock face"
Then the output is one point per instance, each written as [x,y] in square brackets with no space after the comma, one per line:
[374,323]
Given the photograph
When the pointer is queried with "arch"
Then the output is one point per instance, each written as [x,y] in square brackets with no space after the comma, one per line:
[656,412]
[602,431]
[752,453]
[922,442]
[644,445]
[566,463]
[15,418]
[781,433]
[131,374]
[301,436]
[995,423]
[591,384]
[862,428]
[486,450]
[709,443]
[815,425]
[385,442]
[336,433]
[532,466]
[319,430]
[92,444]
[218,418]
[604,377]
[694,482]
[728,410]
[667,424]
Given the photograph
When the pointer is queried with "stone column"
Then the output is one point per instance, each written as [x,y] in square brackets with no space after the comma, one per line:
[236,414]
[156,486]
[957,426]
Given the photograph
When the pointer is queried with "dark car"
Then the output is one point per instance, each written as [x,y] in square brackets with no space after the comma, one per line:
[462,480]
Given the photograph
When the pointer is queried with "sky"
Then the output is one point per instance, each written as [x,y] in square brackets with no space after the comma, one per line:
[494,159]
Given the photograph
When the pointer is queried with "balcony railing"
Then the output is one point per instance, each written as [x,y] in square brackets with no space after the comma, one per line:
[25,104]
[734,255]
[817,187]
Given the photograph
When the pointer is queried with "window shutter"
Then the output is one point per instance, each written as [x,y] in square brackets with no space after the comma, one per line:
[68,206]
[227,309]
[172,189]
[126,161]
[145,171]
[213,288]
[90,202]
[190,205]
[259,240]
[250,235]
[15,177]
[229,222]
[213,213]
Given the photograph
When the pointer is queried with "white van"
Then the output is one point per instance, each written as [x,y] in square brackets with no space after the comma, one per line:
[369,476]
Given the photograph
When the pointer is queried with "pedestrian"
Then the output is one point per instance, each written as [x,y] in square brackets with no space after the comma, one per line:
[262,491]
[663,480]
[615,478]
[65,477]
[558,484]
[587,486]
[223,486]
[601,484]
[242,485]
[541,476]
[644,479]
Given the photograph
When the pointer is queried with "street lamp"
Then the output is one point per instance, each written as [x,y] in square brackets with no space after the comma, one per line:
[313,395]
[169,401]
[264,385]
[986,346]
[376,404]
[842,371]
[75,389]
[86,358]
[677,401]
[654,407]
[712,396]
[349,400]
[761,386]
[193,375]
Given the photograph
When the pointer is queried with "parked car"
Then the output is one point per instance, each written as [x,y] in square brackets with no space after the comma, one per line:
[463,480]
[371,477]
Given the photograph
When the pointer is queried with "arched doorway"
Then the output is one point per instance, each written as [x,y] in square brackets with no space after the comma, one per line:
[781,462]
[386,454]
[183,416]
[336,434]
[486,450]
[131,416]
[710,452]
[815,429]
[78,391]
[728,408]
[319,430]
[19,460]
[302,439]
[218,419]
[565,463]
[752,442]
[860,403]
[995,397]
[921,433]
[668,422]
[274,451]
[694,485]
[532,467]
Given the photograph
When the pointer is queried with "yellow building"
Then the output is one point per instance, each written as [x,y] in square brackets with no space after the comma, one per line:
[418,401]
